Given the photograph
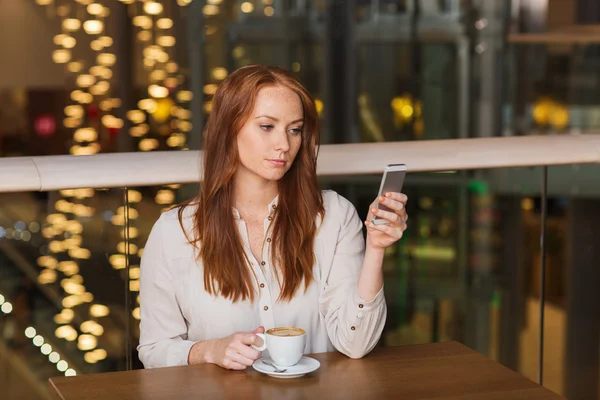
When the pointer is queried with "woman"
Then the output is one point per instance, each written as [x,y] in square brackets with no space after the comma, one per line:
[262,246]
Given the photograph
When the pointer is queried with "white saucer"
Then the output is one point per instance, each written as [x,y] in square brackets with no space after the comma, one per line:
[304,366]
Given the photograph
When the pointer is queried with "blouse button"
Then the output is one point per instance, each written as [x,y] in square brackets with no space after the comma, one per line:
[262,285]
[274,206]
[266,308]
[268,239]
[353,328]
[360,306]
[270,218]
[262,263]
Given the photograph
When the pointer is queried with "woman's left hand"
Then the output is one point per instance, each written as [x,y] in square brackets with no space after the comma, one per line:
[384,235]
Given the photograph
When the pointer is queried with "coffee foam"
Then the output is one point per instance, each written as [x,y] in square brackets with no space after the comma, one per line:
[286,332]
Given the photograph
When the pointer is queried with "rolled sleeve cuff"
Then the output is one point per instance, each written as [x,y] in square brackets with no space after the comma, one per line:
[365,306]
[179,352]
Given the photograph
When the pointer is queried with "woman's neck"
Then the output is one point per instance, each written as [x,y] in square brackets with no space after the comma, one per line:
[252,198]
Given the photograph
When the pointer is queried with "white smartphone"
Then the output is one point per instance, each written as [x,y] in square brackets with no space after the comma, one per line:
[391,181]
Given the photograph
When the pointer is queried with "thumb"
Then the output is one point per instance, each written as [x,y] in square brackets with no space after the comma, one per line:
[258,341]
[260,329]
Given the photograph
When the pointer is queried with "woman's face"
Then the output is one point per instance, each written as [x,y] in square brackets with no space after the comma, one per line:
[271,137]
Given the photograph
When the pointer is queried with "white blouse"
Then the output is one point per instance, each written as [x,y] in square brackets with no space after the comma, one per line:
[176,310]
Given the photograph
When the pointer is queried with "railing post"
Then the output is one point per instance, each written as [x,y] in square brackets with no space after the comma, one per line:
[128,351]
[543,272]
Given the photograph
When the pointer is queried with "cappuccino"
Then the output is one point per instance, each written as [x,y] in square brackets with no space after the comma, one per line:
[285,345]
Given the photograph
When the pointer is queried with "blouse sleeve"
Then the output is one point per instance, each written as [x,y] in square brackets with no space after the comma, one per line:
[163,329]
[354,325]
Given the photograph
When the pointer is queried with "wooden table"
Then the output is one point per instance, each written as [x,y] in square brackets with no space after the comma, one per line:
[437,370]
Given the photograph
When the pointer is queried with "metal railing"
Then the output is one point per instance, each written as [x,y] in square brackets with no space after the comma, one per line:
[45,173]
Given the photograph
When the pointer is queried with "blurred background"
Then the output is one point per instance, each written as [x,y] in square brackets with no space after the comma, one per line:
[82,77]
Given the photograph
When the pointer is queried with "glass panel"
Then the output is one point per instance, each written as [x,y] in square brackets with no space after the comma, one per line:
[372,9]
[395,105]
[147,203]
[572,326]
[304,59]
[553,89]
[143,101]
[467,268]
[62,281]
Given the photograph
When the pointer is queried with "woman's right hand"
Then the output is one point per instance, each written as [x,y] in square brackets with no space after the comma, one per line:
[231,352]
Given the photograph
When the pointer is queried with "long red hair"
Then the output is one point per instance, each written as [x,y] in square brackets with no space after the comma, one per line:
[227,270]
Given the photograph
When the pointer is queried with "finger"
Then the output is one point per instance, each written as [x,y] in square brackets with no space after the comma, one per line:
[393,231]
[403,215]
[387,215]
[260,329]
[369,214]
[395,205]
[401,197]
[233,365]
[246,351]
[234,356]
[248,338]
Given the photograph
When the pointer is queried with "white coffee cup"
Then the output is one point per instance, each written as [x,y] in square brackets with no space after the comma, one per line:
[286,345]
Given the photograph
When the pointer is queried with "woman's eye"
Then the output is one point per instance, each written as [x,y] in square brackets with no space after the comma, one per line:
[296,131]
[266,127]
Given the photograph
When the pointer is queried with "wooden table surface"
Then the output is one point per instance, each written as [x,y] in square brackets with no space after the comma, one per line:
[438,370]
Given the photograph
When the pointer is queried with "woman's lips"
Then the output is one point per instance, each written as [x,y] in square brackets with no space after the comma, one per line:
[277,163]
